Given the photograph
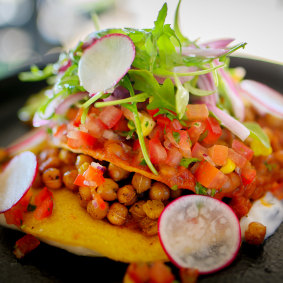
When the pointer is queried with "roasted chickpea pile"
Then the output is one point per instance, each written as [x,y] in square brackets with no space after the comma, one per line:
[130,199]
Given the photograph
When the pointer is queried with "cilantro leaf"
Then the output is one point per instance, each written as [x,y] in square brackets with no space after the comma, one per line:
[176,136]
[163,96]
[187,161]
[200,189]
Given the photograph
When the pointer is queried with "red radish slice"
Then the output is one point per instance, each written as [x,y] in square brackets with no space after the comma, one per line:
[262,97]
[16,179]
[105,62]
[199,232]
[29,141]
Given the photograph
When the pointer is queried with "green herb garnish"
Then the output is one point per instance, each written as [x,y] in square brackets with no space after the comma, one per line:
[187,161]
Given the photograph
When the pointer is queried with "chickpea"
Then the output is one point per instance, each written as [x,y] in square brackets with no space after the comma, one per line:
[67,156]
[149,226]
[255,233]
[50,162]
[159,191]
[69,179]
[175,193]
[153,208]
[51,177]
[141,183]
[108,190]
[83,168]
[81,159]
[117,214]
[137,211]
[117,173]
[46,153]
[66,168]
[85,193]
[95,211]
[127,195]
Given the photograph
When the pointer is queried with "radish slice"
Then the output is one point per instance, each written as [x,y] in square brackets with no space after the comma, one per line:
[29,141]
[199,232]
[263,98]
[16,179]
[105,62]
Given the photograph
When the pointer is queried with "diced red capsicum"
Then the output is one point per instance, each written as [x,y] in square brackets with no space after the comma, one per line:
[209,176]
[242,149]
[213,130]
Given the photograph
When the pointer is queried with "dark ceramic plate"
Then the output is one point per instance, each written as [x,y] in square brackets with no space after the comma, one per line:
[49,264]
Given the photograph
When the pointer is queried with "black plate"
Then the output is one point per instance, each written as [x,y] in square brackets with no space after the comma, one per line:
[49,264]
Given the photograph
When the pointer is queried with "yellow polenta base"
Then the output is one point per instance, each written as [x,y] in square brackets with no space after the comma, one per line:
[70,225]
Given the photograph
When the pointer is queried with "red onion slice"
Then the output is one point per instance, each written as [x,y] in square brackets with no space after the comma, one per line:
[263,98]
[219,43]
[69,101]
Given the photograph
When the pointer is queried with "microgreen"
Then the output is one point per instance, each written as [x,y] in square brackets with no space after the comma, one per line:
[133,108]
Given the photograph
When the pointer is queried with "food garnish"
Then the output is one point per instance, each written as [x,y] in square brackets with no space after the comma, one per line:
[16,178]
[136,119]
[200,232]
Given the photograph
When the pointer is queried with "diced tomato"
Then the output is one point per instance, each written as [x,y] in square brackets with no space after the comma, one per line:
[110,116]
[94,175]
[188,275]
[174,157]
[157,152]
[179,138]
[209,176]
[61,130]
[25,245]
[160,273]
[77,120]
[25,201]
[163,121]
[14,216]
[237,158]
[44,204]
[152,112]
[79,139]
[122,125]
[242,149]
[157,133]
[183,178]
[138,272]
[196,129]
[94,126]
[248,173]
[218,154]
[197,112]
[198,151]
[240,206]
[176,125]
[213,129]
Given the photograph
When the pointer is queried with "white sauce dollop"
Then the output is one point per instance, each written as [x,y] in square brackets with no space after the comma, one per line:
[268,211]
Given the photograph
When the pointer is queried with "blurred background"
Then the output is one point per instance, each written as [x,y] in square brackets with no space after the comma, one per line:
[30,30]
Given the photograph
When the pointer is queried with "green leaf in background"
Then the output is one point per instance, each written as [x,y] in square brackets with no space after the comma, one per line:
[36,74]
[258,133]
